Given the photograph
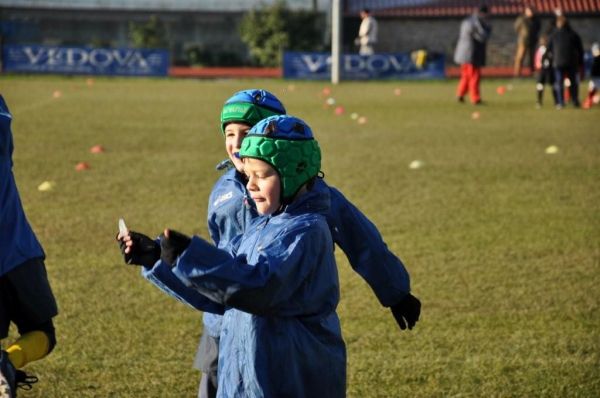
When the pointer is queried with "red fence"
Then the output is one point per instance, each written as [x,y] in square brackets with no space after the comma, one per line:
[453,8]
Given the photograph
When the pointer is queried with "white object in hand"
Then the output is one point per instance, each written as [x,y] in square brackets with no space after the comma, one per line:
[123,227]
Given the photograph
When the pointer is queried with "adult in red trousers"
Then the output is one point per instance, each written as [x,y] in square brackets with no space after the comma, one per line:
[470,53]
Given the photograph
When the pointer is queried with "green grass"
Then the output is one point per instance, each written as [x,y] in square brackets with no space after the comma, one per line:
[500,238]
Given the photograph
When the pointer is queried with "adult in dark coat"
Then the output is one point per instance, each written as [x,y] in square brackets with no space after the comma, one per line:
[567,49]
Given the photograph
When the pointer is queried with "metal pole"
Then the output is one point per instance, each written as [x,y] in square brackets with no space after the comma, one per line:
[336,29]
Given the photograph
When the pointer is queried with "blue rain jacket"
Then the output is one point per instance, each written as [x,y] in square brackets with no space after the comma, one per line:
[18,243]
[280,335]
[230,209]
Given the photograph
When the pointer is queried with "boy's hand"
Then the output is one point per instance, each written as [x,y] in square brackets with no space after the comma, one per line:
[407,311]
[138,249]
[172,244]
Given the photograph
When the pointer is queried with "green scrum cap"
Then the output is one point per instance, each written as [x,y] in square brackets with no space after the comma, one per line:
[250,107]
[287,144]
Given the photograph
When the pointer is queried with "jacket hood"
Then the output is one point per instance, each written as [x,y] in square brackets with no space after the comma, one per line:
[316,200]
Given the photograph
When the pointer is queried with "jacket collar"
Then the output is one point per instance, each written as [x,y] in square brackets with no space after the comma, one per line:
[316,200]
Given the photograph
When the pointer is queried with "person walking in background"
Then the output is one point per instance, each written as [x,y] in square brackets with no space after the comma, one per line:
[567,50]
[367,33]
[594,77]
[470,53]
[26,298]
[527,26]
[544,72]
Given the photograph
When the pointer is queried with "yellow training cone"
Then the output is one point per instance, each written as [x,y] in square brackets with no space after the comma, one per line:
[46,186]
[416,164]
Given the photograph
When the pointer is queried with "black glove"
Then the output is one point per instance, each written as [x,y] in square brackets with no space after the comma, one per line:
[172,246]
[407,311]
[144,251]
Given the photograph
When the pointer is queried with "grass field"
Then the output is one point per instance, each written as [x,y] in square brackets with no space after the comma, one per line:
[500,238]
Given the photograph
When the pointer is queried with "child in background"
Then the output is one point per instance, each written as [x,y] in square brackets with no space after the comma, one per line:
[545,72]
[26,298]
[594,77]
[231,209]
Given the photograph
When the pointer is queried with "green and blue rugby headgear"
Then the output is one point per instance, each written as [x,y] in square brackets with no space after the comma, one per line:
[287,144]
[250,107]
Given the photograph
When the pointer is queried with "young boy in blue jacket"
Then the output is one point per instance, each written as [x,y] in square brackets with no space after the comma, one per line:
[231,208]
[26,298]
[277,283]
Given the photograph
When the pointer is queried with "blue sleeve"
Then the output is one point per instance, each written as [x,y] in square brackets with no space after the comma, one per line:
[5,133]
[266,286]
[161,275]
[367,253]
[213,228]
[213,231]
